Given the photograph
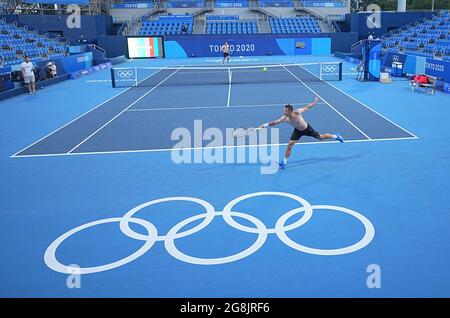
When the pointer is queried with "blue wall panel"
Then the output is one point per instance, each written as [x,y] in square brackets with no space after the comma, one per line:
[173,49]
[231,4]
[131,5]
[321,46]
[115,45]
[413,64]
[245,45]
[439,69]
[342,42]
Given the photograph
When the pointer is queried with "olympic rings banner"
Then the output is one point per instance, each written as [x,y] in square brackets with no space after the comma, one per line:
[412,64]
[229,215]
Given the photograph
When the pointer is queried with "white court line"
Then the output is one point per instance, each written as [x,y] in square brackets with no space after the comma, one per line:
[212,107]
[327,103]
[200,148]
[98,81]
[109,121]
[48,135]
[230,75]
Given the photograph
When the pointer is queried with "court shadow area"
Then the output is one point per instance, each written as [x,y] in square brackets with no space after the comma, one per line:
[291,164]
[315,160]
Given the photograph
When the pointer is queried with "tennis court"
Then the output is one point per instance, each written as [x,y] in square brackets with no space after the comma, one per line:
[133,120]
[90,187]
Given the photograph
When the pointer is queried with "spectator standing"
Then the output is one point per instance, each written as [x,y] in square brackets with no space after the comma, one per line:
[28,75]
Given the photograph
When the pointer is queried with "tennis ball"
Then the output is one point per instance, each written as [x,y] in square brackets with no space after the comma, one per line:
[264,69]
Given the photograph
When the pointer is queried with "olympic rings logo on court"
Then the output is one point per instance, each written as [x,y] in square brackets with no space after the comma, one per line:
[125,73]
[329,68]
[228,215]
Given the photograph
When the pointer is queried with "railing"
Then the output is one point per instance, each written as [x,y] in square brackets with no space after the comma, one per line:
[158,7]
[98,48]
[121,30]
[253,5]
[335,17]
[355,44]
[439,53]
[405,27]
[336,26]
[208,6]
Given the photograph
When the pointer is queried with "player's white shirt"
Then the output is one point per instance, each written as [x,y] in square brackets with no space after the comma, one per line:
[27,68]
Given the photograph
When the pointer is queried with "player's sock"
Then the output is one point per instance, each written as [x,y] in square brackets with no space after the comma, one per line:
[285,160]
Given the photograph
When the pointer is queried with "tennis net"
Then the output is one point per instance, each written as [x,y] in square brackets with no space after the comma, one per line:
[251,74]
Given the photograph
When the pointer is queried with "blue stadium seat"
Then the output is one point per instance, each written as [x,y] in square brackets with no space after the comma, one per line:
[423,39]
[304,24]
[229,24]
[168,25]
[18,41]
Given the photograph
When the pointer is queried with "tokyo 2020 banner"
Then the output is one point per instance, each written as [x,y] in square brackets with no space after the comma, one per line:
[241,45]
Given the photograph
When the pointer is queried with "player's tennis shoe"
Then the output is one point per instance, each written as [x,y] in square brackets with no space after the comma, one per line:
[339,137]
[282,165]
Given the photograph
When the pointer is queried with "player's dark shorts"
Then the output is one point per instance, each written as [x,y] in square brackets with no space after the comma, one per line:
[309,131]
[226,54]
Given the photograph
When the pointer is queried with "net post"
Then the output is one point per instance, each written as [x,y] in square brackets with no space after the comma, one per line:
[135,77]
[340,71]
[113,78]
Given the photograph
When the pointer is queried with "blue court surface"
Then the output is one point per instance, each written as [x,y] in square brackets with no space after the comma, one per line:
[89,185]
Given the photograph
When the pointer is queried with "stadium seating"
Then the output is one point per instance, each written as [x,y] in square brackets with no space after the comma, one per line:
[17,42]
[167,25]
[428,38]
[304,24]
[229,24]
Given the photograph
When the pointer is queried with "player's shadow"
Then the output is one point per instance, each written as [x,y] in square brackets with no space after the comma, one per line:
[215,166]
[314,160]
[291,163]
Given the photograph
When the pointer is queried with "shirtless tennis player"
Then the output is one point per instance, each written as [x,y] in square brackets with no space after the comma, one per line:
[301,128]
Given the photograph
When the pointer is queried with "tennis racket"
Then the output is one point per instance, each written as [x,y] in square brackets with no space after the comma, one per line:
[242,132]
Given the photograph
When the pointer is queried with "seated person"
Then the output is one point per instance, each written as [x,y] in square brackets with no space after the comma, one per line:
[420,79]
[51,69]
[42,74]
